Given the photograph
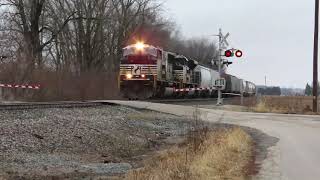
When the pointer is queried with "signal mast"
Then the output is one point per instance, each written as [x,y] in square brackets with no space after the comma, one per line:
[223,44]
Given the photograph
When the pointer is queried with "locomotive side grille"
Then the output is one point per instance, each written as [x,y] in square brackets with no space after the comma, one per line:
[196,78]
[146,69]
[178,74]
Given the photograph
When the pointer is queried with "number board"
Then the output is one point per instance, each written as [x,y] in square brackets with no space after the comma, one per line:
[220,83]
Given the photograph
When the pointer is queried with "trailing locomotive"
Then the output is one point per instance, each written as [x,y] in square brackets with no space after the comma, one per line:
[147,71]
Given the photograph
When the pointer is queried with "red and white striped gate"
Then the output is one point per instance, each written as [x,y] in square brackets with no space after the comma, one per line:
[25,86]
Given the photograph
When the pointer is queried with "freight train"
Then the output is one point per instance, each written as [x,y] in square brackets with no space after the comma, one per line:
[147,71]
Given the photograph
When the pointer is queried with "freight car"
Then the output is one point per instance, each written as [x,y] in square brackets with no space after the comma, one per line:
[235,85]
[148,71]
[249,89]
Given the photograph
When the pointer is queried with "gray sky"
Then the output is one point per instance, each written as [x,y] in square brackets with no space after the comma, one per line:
[276,36]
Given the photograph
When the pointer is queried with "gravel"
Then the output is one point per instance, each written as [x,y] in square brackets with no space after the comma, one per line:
[88,141]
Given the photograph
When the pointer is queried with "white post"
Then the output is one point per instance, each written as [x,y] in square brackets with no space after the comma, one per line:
[219,102]
[0,94]
[242,90]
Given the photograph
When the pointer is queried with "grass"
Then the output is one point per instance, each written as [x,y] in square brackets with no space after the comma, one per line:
[223,154]
[284,104]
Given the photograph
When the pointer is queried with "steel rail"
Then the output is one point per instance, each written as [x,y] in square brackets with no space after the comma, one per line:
[46,105]
[186,100]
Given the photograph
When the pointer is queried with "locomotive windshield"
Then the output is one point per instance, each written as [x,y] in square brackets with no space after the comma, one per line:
[139,59]
[140,54]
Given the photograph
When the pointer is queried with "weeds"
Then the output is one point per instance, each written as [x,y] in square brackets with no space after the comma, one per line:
[64,86]
[286,105]
[222,154]
[261,107]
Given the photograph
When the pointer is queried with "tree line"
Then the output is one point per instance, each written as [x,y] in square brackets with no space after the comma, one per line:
[49,41]
[272,91]
[77,35]
[309,90]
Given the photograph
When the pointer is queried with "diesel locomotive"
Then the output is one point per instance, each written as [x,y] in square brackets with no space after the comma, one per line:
[147,71]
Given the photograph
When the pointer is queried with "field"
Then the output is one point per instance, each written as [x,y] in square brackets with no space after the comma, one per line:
[285,104]
[265,104]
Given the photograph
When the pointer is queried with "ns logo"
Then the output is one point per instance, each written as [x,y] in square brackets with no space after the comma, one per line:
[136,70]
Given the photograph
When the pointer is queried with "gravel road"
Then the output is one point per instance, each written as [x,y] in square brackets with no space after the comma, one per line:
[81,142]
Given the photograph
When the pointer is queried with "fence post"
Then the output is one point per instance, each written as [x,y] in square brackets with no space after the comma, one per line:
[242,91]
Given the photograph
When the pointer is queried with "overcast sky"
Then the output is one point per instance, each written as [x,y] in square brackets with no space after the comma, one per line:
[276,36]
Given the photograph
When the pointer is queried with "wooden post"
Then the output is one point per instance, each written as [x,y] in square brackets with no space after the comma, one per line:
[315,58]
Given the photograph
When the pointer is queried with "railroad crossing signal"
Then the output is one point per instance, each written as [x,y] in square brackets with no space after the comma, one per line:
[228,53]
[233,52]
[239,53]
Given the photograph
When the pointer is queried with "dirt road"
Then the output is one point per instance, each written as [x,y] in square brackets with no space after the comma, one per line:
[292,150]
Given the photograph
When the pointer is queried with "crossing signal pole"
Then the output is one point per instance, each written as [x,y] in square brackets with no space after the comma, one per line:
[222,43]
[223,51]
[315,58]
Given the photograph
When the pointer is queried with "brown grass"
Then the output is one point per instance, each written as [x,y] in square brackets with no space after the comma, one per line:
[284,104]
[224,154]
[63,86]
[247,101]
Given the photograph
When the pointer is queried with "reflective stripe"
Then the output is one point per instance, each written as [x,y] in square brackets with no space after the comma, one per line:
[146,69]
[194,89]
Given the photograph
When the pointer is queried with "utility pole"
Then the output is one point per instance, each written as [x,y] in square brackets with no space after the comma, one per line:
[315,58]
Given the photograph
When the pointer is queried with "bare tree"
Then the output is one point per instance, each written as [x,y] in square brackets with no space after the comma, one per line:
[94,38]
[28,19]
[79,37]
[199,49]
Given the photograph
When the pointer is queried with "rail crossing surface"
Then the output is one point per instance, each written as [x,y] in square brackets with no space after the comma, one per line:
[291,151]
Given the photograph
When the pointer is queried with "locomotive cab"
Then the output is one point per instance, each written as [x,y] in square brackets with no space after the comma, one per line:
[181,68]
[139,68]
[139,62]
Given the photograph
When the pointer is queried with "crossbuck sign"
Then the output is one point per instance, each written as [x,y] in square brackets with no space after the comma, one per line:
[224,42]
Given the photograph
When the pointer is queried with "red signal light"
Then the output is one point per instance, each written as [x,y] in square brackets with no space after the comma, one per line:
[228,53]
[239,53]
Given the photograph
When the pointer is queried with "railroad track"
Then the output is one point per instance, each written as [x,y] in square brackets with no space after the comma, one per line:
[182,100]
[84,104]
[196,101]
[44,105]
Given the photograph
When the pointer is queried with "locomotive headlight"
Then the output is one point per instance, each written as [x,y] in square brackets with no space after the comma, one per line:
[139,46]
[143,76]
[129,76]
